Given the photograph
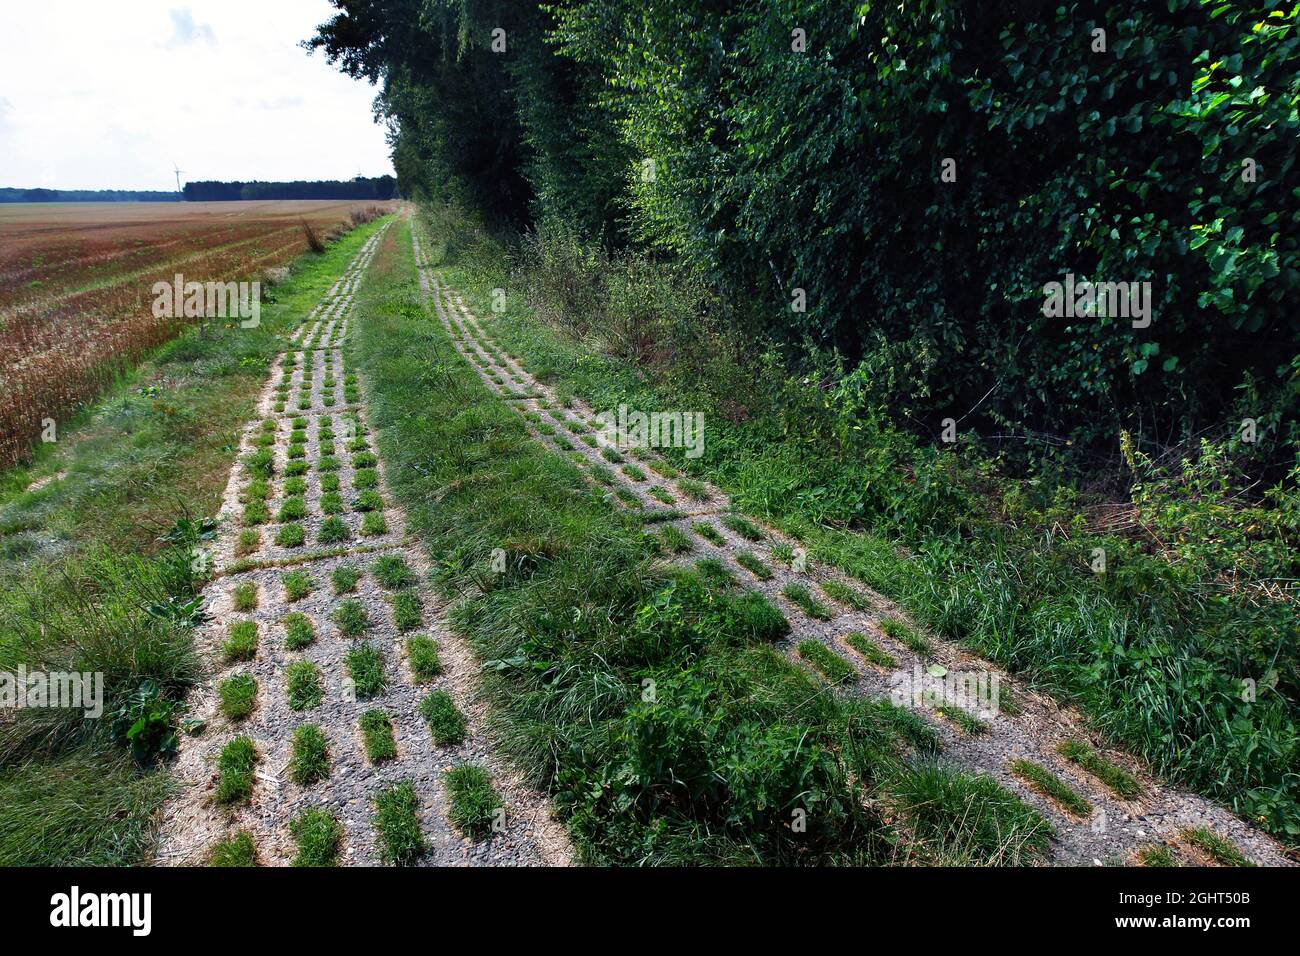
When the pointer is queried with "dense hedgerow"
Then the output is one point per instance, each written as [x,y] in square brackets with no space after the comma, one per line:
[775,169]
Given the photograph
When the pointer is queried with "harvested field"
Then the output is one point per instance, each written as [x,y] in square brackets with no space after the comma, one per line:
[76,281]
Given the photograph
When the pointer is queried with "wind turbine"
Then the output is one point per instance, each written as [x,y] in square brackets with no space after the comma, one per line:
[178,175]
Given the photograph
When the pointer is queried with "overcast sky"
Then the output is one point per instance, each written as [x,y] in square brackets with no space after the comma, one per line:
[102,95]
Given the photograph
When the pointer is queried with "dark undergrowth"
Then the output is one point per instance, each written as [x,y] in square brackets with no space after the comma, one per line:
[648,702]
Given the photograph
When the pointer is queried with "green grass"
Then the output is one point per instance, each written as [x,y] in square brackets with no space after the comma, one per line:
[1051,786]
[235,771]
[446,722]
[1154,855]
[743,527]
[365,479]
[754,565]
[309,759]
[299,632]
[290,536]
[318,835]
[237,696]
[350,618]
[660,493]
[258,489]
[236,850]
[474,804]
[758,618]
[714,573]
[261,463]
[374,524]
[368,501]
[965,819]
[675,540]
[256,513]
[247,542]
[906,636]
[377,732]
[241,642]
[297,585]
[333,530]
[397,821]
[964,720]
[663,468]
[826,662]
[303,688]
[709,533]
[393,573]
[871,652]
[408,612]
[344,578]
[1120,781]
[329,482]
[801,596]
[244,596]
[846,595]
[366,669]
[292,509]
[331,503]
[1219,849]
[422,652]
[692,489]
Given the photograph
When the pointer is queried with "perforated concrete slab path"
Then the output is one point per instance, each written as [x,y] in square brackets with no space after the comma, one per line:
[306,500]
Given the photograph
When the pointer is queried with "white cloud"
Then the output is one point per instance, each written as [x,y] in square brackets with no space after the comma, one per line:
[113,102]
[185,31]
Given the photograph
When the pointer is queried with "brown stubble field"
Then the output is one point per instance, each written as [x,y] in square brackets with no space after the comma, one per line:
[76,280]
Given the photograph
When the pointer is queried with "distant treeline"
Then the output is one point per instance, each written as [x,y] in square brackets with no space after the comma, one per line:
[9,194]
[361,187]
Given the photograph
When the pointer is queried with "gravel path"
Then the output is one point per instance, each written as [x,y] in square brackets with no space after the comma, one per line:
[317,429]
[1024,726]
